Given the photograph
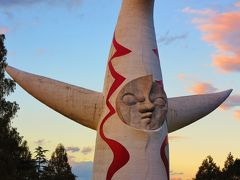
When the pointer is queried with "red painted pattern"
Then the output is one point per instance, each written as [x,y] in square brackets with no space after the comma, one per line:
[156,52]
[160,82]
[120,154]
[164,157]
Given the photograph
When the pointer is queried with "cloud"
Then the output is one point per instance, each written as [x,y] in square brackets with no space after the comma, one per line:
[41,142]
[8,14]
[4,30]
[73,149]
[221,29]
[53,3]
[181,76]
[71,159]
[83,170]
[227,63]
[205,12]
[176,178]
[201,88]
[237,114]
[237,4]
[168,39]
[176,175]
[231,102]
[86,150]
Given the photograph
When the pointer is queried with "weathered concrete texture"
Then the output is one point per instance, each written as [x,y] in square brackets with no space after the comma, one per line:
[79,104]
[185,110]
[182,111]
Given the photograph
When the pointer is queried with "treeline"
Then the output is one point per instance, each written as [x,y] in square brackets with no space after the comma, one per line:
[209,170]
[16,161]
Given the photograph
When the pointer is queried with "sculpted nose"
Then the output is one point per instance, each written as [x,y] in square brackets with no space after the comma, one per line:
[146,106]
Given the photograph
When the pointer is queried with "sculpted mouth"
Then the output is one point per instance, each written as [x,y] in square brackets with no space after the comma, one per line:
[146,115]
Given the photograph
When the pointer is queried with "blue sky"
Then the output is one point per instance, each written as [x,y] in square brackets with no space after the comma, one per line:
[69,41]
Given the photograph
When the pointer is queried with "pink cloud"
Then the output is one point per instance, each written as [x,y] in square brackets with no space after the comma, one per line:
[222,31]
[176,178]
[237,4]
[181,76]
[227,63]
[4,30]
[237,114]
[232,101]
[201,88]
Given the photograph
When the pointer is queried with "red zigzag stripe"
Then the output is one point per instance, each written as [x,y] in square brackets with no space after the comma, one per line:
[120,153]
[156,52]
[164,157]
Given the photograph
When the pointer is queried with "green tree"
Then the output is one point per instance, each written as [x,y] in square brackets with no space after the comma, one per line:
[15,157]
[231,170]
[41,161]
[236,169]
[58,166]
[208,170]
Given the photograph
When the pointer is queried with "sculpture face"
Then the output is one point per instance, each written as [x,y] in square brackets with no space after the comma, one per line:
[142,104]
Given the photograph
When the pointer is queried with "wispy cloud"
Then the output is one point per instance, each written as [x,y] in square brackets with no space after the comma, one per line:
[237,4]
[205,12]
[181,76]
[231,102]
[54,3]
[8,14]
[71,159]
[41,142]
[72,149]
[176,175]
[176,178]
[86,150]
[201,88]
[168,38]
[237,114]
[221,29]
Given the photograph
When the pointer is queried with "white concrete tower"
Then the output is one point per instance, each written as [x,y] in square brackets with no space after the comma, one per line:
[132,115]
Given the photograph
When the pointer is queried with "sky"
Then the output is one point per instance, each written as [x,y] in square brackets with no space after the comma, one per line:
[69,40]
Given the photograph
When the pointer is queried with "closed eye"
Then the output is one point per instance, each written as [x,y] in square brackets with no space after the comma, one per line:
[159,102]
[129,99]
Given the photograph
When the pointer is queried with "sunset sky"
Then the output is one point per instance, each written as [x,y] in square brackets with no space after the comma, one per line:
[69,40]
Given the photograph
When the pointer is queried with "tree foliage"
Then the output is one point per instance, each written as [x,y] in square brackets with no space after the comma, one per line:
[210,171]
[15,157]
[41,161]
[16,161]
[58,166]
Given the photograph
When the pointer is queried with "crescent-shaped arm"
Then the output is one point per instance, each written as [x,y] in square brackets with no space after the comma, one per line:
[185,110]
[79,104]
